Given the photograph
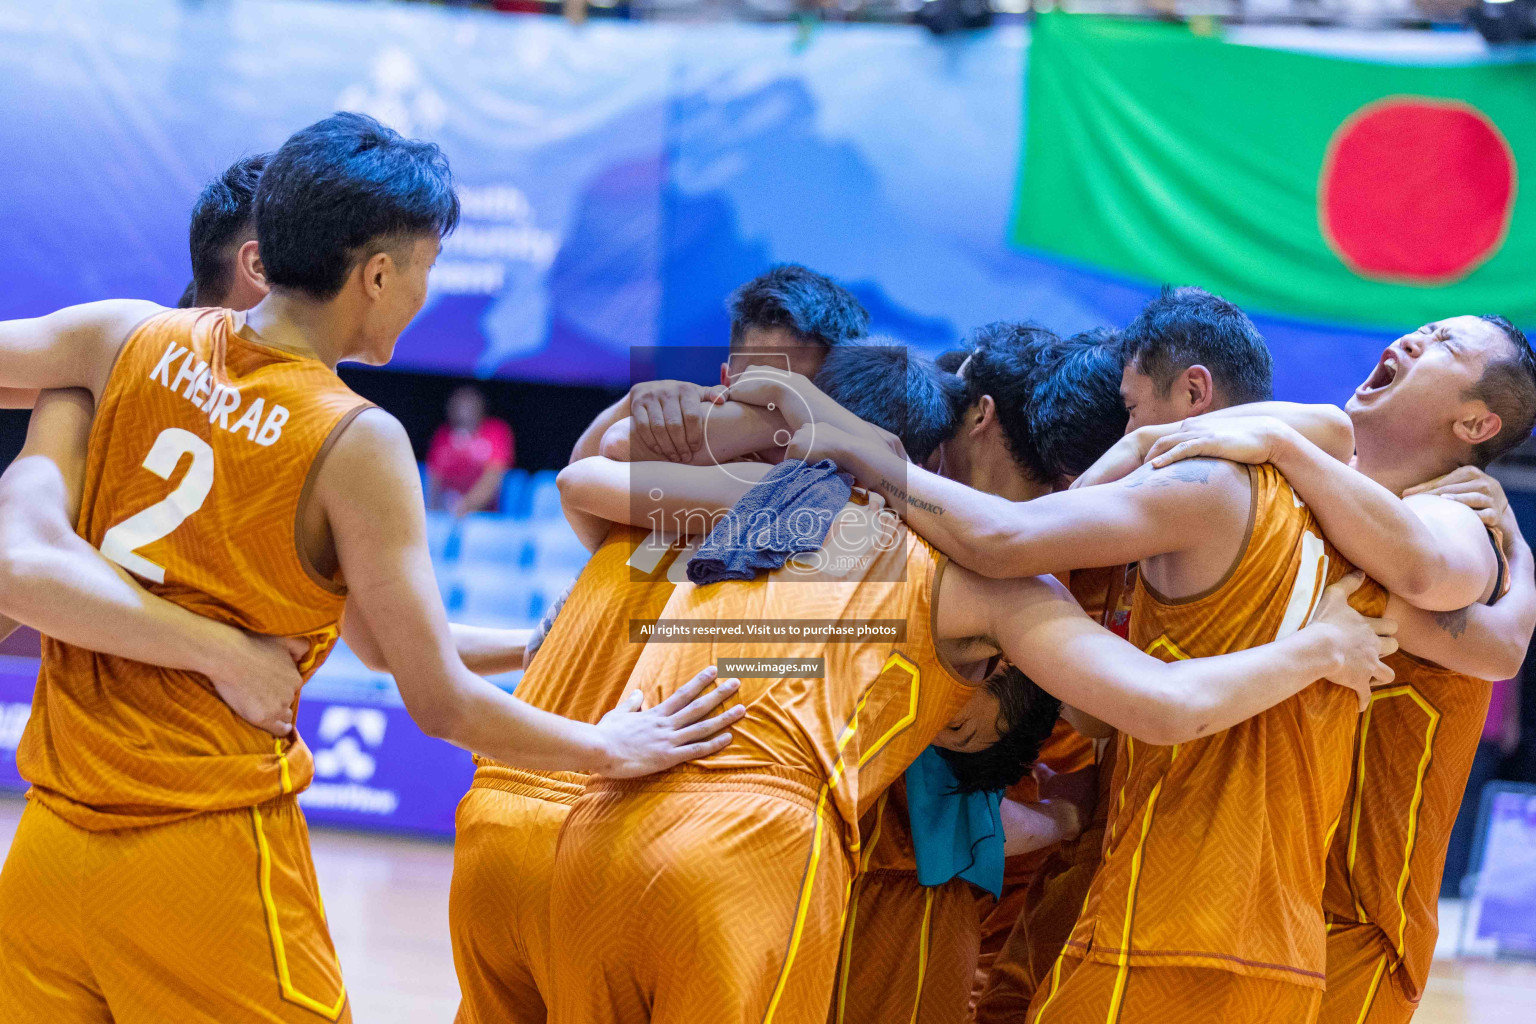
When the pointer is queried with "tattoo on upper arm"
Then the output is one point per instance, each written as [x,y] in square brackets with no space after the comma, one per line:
[1454,623]
[896,492]
[1192,471]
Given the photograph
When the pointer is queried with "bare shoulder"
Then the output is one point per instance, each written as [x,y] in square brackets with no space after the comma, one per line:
[124,313]
[1198,483]
[372,454]
[1449,519]
[372,431]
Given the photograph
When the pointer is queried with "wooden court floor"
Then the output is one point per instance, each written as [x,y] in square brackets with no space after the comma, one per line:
[387,903]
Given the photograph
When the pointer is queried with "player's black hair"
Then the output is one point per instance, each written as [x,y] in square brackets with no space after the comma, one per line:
[1057,400]
[1507,388]
[951,361]
[886,383]
[1025,717]
[188,296]
[813,306]
[1184,327]
[339,191]
[221,222]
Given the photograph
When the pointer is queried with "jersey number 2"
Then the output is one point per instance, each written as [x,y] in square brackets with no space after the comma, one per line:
[121,543]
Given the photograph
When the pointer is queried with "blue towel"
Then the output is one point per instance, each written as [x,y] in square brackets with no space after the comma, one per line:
[788,512]
[953,833]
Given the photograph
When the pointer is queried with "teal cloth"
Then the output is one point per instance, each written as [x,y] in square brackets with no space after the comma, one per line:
[953,833]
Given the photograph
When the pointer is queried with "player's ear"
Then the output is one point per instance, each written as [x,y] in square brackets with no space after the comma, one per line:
[725,374]
[376,271]
[981,414]
[1200,387]
[248,261]
[1476,423]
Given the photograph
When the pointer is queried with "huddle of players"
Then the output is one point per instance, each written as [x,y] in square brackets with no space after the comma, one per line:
[1282,863]
[773,878]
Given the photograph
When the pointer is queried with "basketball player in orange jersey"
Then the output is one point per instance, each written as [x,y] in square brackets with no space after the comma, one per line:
[912,952]
[1453,395]
[1207,371]
[1207,901]
[168,822]
[811,757]
[48,573]
[509,820]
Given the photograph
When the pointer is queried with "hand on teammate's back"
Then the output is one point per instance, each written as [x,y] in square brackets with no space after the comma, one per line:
[676,730]
[259,679]
[1478,491]
[668,418]
[1362,640]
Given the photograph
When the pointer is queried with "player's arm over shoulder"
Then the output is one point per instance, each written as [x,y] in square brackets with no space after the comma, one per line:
[73,347]
[1151,512]
[1037,625]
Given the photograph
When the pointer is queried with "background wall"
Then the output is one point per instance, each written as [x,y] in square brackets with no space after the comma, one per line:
[617,179]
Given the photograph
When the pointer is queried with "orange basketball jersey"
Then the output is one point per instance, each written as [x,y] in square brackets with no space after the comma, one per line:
[882,700]
[202,448]
[1215,852]
[1412,759]
[1413,755]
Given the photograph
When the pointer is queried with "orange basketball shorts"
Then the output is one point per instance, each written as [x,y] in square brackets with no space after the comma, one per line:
[1054,899]
[212,919]
[698,895]
[909,951]
[1362,987]
[1084,992]
[498,903]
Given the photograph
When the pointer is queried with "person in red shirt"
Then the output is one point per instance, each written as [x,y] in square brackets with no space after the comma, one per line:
[469,456]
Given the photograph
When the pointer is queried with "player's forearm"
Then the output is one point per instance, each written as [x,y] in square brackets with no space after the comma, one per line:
[987,534]
[64,588]
[731,430]
[1326,426]
[486,651]
[1482,641]
[1372,527]
[684,499]
[1167,703]
[1034,826]
[1209,695]
[960,521]
[461,708]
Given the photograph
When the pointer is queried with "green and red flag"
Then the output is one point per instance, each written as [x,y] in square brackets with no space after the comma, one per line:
[1343,190]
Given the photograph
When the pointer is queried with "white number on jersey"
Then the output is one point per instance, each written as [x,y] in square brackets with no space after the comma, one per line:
[122,541]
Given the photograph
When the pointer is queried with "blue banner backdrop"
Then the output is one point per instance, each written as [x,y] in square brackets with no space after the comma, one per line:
[617,179]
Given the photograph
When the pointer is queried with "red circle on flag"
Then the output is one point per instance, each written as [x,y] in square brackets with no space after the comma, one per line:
[1416,190]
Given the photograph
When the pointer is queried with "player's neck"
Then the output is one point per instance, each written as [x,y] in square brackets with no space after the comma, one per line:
[1398,466]
[301,326]
[1003,478]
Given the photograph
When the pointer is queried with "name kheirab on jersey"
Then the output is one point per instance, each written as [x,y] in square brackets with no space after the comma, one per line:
[223,403]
